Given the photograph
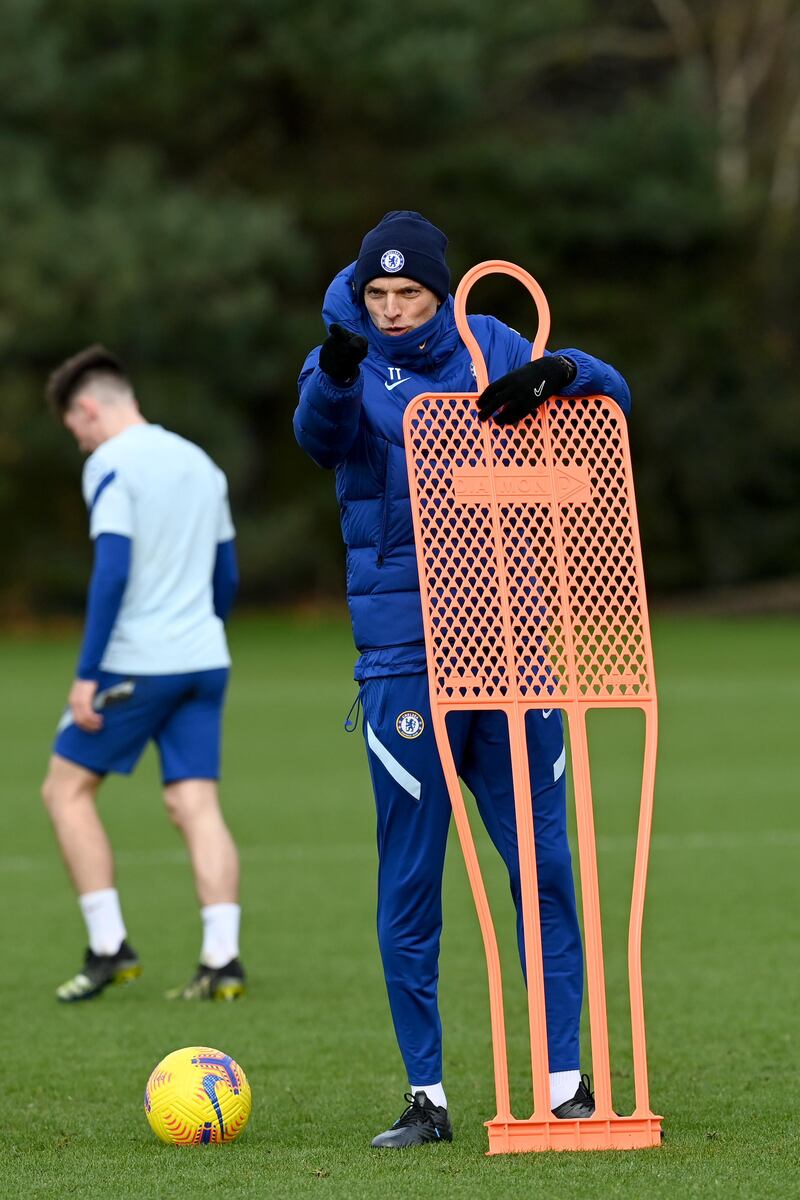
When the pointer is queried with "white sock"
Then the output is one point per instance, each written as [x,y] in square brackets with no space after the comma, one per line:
[434,1092]
[220,934]
[103,917]
[563,1086]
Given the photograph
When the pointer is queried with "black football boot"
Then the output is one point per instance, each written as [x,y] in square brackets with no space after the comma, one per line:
[213,983]
[580,1106]
[420,1123]
[98,971]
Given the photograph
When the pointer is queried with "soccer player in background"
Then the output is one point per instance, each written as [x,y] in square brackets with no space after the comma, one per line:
[154,664]
[392,335]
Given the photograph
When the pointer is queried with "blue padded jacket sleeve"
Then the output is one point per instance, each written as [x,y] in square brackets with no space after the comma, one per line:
[596,377]
[112,564]
[226,578]
[326,418]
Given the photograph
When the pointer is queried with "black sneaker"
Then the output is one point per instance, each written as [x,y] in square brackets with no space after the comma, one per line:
[580,1106]
[421,1122]
[98,971]
[213,983]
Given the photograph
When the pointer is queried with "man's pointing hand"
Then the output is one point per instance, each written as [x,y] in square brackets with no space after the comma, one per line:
[341,354]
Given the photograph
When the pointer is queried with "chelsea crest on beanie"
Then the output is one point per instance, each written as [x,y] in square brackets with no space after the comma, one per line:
[403,243]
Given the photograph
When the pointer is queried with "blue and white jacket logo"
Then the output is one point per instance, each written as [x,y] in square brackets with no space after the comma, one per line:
[392,261]
[410,724]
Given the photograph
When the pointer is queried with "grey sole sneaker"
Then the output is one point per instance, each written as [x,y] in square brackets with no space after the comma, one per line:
[421,1124]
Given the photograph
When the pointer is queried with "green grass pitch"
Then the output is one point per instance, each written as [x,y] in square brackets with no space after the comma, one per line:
[314,1035]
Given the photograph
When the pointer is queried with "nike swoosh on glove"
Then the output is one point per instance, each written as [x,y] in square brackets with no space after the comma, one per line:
[515,395]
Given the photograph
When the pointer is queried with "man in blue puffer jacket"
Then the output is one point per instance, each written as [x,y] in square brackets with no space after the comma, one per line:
[392,335]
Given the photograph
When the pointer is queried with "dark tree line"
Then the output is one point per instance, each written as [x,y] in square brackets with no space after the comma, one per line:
[182,180]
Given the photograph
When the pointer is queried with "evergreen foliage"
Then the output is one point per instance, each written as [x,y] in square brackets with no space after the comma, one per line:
[182,180]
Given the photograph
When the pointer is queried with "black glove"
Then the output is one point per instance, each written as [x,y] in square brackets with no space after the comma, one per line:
[520,392]
[340,354]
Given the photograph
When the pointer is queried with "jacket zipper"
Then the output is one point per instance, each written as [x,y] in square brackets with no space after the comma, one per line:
[385,512]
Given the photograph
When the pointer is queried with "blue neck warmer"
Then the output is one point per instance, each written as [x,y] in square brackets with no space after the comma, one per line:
[424,348]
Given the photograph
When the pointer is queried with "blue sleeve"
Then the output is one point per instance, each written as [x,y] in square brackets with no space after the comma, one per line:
[326,419]
[594,377]
[112,564]
[226,578]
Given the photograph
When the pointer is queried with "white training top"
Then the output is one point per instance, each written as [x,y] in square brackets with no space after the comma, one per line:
[171,500]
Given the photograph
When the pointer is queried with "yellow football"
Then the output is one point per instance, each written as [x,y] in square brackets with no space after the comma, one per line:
[197,1096]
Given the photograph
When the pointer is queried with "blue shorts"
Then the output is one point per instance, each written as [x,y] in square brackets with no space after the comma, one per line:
[181,713]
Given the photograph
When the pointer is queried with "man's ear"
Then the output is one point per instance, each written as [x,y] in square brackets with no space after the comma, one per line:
[86,403]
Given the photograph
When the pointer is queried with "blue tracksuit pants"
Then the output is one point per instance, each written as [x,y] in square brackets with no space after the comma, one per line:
[413,809]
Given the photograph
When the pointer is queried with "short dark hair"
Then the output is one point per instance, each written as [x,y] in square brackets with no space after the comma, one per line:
[64,382]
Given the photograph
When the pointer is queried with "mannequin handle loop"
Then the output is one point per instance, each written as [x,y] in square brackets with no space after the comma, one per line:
[497,266]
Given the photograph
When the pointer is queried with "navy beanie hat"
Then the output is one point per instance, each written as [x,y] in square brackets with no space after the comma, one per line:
[403,243]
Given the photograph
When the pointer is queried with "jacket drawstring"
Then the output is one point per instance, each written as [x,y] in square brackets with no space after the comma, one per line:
[349,725]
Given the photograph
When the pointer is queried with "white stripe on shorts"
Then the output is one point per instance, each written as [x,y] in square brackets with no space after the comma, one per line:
[560,764]
[395,769]
[65,722]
